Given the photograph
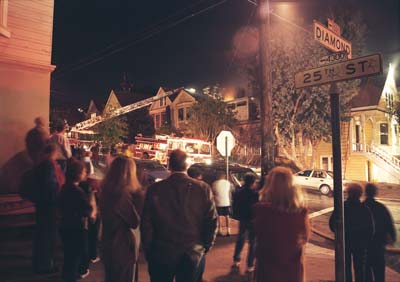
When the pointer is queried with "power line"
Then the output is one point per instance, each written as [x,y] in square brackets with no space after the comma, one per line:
[152,27]
[291,23]
[284,19]
[150,35]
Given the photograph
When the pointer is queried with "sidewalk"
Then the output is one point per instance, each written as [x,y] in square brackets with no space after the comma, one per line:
[15,263]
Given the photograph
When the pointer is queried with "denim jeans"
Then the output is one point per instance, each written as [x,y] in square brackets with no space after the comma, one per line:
[245,227]
[185,270]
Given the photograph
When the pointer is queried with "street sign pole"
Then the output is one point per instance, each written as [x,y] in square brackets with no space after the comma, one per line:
[340,264]
[227,158]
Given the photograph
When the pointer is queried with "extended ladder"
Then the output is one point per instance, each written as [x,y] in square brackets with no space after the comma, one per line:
[121,111]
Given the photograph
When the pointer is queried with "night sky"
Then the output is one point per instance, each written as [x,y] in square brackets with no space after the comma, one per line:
[175,42]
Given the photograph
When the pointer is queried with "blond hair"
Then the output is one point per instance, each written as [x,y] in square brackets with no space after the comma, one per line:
[280,192]
[121,178]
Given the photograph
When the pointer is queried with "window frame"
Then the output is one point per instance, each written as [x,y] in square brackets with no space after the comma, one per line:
[384,134]
[181,110]
[4,31]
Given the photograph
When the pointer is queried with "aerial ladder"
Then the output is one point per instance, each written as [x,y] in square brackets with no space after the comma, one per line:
[121,111]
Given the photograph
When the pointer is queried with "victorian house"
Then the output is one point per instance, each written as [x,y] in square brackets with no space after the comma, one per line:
[370,140]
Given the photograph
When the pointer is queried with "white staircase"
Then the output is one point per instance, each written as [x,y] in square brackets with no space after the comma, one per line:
[387,161]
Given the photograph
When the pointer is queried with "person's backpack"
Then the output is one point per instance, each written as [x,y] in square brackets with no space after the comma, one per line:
[27,186]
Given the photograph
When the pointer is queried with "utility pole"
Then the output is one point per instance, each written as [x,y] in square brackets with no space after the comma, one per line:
[266,119]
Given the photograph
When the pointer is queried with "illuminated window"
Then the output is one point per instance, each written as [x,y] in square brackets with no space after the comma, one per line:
[384,133]
[3,18]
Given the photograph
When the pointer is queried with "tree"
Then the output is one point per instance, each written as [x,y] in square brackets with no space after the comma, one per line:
[302,117]
[139,122]
[112,131]
[209,116]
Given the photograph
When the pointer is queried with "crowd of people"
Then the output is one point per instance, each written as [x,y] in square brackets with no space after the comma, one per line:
[175,221]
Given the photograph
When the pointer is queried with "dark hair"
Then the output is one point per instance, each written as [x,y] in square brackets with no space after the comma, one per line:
[354,191]
[221,174]
[74,170]
[194,172]
[249,179]
[177,160]
[60,127]
[371,190]
[49,149]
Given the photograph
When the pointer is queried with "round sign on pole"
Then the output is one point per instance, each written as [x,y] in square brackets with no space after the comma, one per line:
[225,143]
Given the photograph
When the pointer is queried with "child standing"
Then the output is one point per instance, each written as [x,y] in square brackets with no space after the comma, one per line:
[75,209]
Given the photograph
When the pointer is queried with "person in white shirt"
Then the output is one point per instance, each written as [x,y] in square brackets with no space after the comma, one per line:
[222,189]
[62,144]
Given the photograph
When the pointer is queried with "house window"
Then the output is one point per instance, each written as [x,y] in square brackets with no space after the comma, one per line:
[157,122]
[3,18]
[384,133]
[327,162]
[163,101]
[181,114]
[163,118]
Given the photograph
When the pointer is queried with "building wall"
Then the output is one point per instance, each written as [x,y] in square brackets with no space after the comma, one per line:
[25,68]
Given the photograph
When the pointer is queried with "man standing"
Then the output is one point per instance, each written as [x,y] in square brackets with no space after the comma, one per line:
[359,229]
[243,201]
[36,140]
[222,190]
[63,146]
[385,233]
[178,225]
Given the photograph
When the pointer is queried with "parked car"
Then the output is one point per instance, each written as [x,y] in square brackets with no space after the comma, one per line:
[150,171]
[315,179]
[236,172]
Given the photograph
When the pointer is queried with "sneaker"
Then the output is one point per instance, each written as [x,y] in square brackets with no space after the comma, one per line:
[250,269]
[84,275]
[94,260]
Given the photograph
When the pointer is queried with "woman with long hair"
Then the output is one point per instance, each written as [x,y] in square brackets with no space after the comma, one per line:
[121,203]
[282,229]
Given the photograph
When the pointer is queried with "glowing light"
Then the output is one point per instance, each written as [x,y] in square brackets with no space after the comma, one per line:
[191,90]
[208,161]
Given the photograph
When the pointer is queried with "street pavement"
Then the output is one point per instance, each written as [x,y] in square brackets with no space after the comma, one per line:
[15,249]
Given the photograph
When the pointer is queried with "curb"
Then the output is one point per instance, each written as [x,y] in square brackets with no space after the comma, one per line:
[390,250]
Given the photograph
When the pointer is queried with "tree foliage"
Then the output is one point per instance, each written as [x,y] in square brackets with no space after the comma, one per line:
[302,117]
[113,130]
[209,116]
[139,122]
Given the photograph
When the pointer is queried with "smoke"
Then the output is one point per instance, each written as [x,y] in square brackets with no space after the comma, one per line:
[245,43]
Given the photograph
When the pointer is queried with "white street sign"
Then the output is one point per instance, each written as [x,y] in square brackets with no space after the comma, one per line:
[333,58]
[225,142]
[331,40]
[350,69]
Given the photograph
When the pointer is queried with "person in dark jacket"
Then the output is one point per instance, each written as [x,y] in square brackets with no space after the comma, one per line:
[75,209]
[243,201]
[359,229]
[48,179]
[178,225]
[385,233]
[36,140]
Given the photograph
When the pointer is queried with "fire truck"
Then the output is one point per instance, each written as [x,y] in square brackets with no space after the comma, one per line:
[159,147]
